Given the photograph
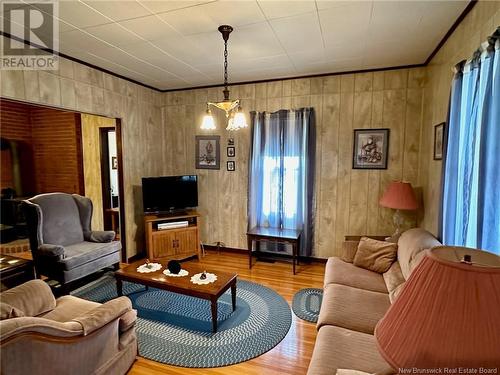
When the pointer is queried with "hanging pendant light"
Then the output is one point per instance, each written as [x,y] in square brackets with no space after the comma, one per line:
[208,122]
[234,113]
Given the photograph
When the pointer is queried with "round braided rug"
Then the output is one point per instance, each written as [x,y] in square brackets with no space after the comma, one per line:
[306,304]
[176,329]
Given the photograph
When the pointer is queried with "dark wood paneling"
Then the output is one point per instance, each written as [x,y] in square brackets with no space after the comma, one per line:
[57,151]
[16,126]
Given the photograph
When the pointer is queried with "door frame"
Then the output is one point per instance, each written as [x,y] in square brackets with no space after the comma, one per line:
[121,188]
[105,175]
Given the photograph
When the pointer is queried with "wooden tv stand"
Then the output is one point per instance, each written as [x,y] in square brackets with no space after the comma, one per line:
[174,243]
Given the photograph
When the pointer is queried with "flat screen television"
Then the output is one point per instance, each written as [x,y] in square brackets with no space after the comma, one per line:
[169,193]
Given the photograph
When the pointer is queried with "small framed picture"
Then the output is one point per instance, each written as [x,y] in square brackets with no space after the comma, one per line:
[231,167]
[230,141]
[371,148]
[207,152]
[438,141]
[114,162]
[231,152]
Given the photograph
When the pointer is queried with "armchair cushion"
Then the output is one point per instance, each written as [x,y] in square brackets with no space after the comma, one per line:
[69,307]
[32,298]
[104,314]
[7,311]
[15,326]
[84,252]
[102,236]
[49,250]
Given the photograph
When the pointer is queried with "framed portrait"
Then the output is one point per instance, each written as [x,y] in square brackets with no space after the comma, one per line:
[438,141]
[207,152]
[231,152]
[230,141]
[371,148]
[231,166]
[114,162]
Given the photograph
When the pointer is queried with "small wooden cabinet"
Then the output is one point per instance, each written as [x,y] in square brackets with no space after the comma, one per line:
[174,243]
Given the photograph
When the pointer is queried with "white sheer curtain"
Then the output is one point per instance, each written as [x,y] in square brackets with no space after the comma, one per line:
[281,172]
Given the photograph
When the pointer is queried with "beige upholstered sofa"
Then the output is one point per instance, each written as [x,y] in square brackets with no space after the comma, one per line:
[42,335]
[354,300]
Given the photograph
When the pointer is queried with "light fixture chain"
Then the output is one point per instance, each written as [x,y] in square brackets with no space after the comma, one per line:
[225,64]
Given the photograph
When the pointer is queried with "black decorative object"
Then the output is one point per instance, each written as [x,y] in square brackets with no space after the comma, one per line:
[203,276]
[174,267]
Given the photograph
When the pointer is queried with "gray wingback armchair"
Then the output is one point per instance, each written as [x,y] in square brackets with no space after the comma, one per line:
[64,246]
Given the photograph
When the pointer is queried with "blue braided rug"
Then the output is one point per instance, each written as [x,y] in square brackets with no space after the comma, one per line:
[306,304]
[176,329]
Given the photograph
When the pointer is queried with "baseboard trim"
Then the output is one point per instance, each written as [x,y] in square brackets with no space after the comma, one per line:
[269,255]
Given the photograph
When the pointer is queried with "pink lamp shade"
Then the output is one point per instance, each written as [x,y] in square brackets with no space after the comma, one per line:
[399,195]
[447,315]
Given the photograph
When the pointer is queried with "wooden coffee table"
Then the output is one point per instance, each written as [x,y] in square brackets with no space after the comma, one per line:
[181,285]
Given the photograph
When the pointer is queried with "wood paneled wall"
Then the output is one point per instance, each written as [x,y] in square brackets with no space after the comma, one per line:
[57,151]
[51,152]
[480,23]
[15,126]
[92,163]
[80,88]
[15,121]
[346,199]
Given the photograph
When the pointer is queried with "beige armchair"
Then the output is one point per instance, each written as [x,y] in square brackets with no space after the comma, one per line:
[42,335]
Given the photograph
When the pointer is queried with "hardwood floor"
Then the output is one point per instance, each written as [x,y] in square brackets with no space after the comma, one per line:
[290,356]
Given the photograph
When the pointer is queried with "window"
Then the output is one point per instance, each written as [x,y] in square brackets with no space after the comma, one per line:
[471,189]
[281,172]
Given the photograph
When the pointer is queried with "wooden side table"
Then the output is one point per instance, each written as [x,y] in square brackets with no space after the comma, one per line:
[15,271]
[277,235]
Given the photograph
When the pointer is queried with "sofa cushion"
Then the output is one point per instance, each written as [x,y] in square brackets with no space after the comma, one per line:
[412,242]
[84,252]
[393,277]
[69,307]
[349,249]
[375,255]
[339,272]
[337,347]
[352,308]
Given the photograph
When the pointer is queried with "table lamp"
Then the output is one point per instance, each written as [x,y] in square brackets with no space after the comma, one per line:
[447,315]
[399,195]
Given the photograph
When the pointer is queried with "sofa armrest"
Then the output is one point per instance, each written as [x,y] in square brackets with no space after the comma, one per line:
[49,250]
[101,236]
[104,314]
[32,298]
[33,325]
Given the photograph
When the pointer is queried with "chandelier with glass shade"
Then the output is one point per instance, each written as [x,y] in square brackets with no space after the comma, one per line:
[235,117]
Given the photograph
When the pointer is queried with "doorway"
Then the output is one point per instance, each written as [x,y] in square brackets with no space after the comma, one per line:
[109,178]
[103,175]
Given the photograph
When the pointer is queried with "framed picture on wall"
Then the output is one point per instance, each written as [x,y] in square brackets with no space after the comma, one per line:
[371,148]
[231,152]
[438,141]
[207,152]
[231,167]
